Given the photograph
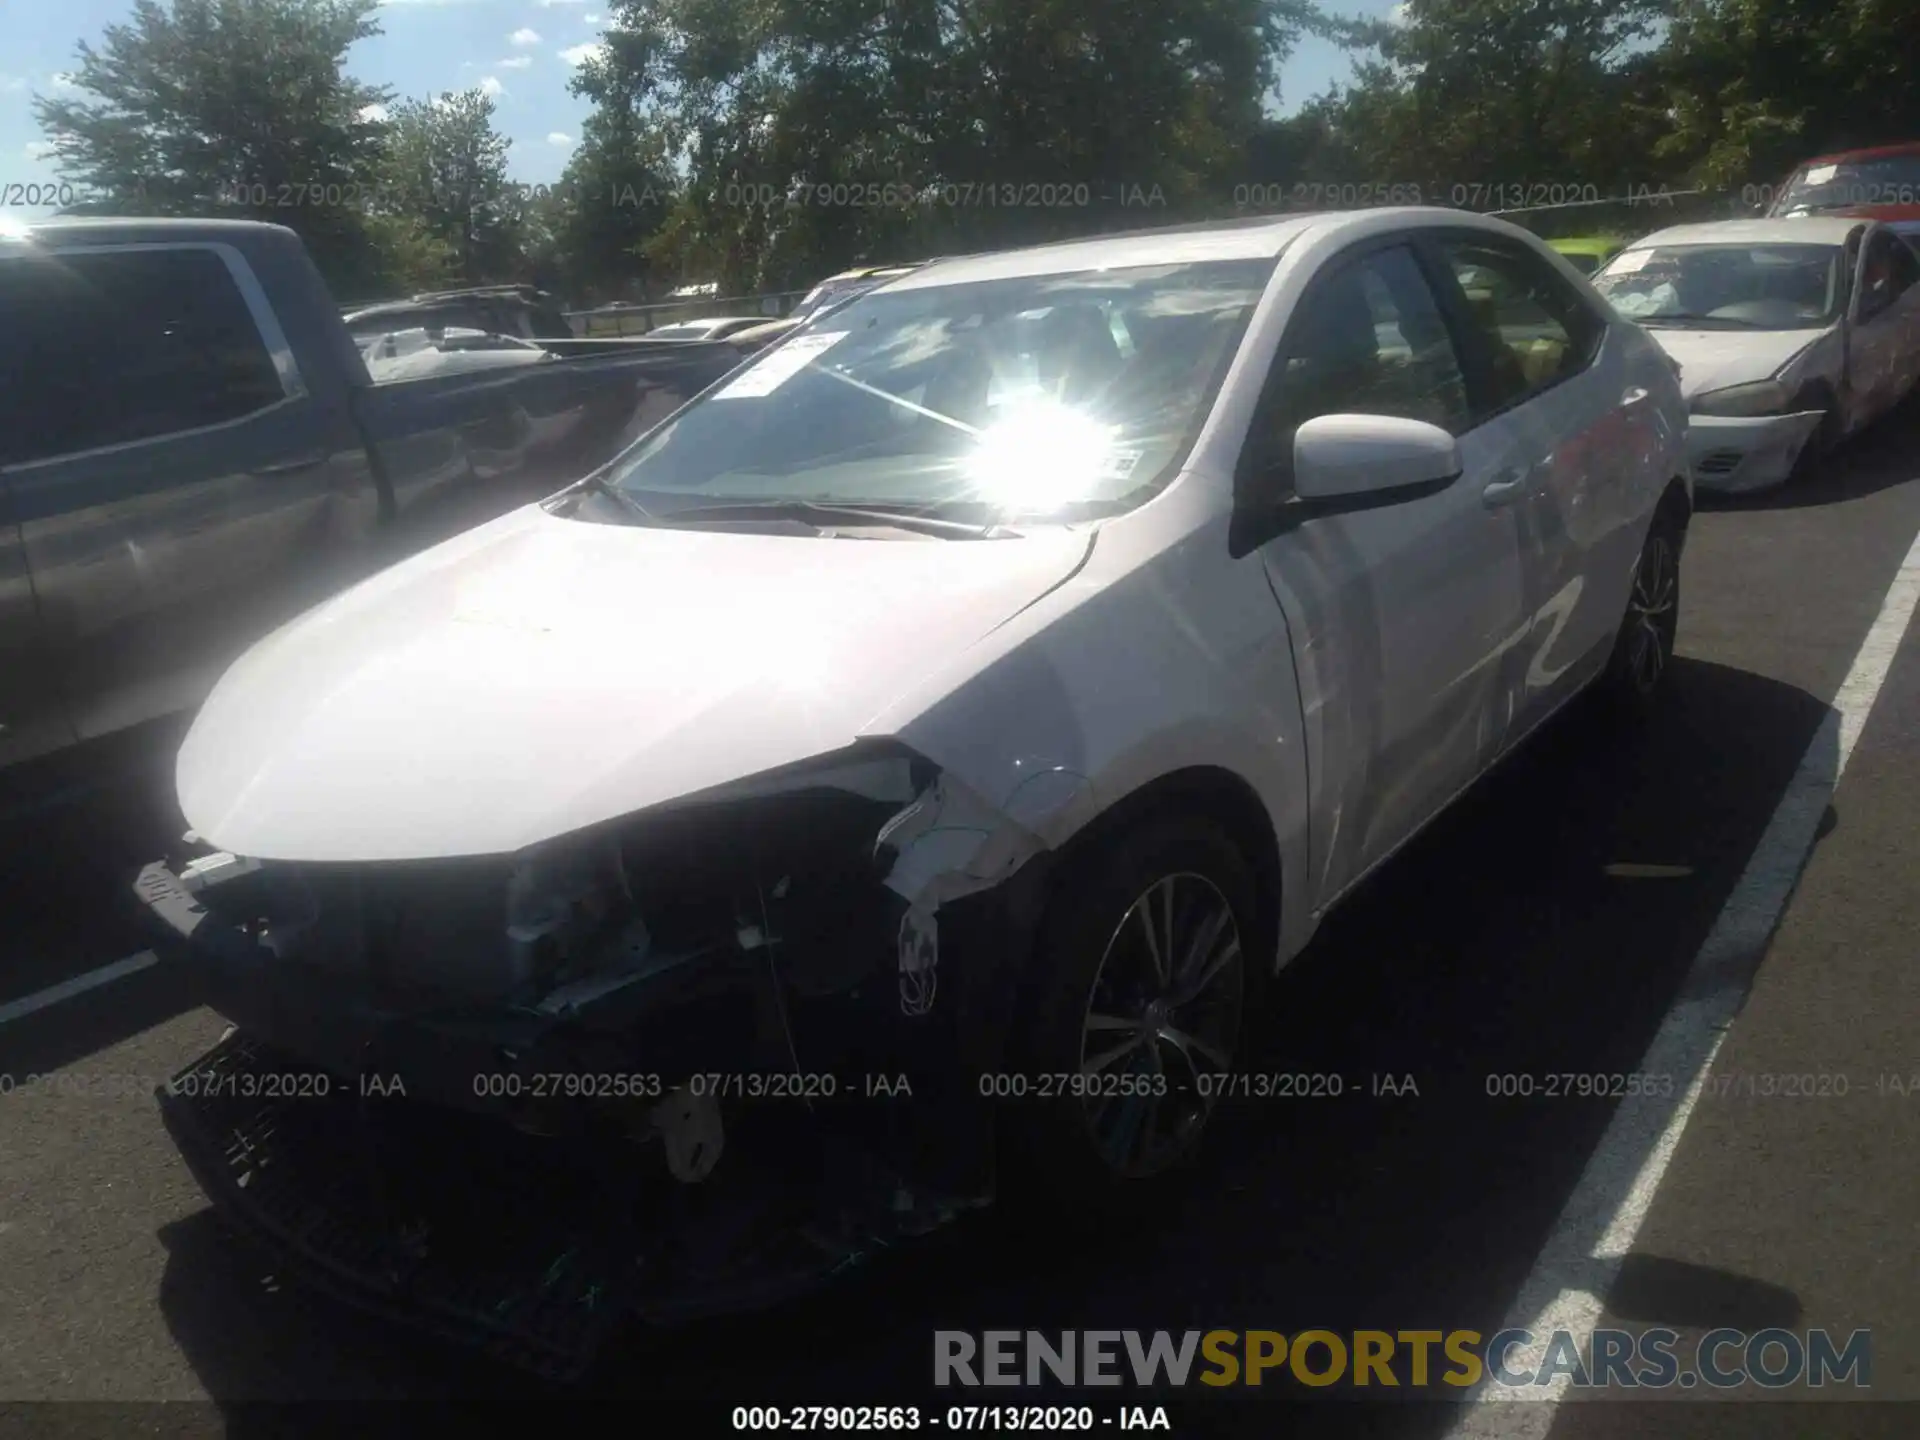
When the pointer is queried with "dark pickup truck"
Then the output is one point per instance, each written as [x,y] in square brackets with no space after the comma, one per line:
[193,449]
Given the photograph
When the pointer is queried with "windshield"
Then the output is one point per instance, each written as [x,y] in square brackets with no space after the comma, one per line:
[1890,180]
[1759,287]
[1057,395]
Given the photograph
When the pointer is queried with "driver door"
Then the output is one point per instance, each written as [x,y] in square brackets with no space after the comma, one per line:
[1883,349]
[1402,614]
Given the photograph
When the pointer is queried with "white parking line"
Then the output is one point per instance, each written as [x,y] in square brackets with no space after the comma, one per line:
[1567,1287]
[77,985]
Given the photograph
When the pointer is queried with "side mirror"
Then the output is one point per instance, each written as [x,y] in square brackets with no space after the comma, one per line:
[1336,456]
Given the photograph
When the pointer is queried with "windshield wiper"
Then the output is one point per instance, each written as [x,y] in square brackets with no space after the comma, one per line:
[823,513]
[598,484]
[1686,319]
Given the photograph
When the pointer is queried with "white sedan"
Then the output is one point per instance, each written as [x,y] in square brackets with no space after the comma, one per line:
[994,685]
[1790,334]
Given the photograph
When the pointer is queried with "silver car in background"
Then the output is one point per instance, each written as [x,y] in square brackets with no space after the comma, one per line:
[1790,334]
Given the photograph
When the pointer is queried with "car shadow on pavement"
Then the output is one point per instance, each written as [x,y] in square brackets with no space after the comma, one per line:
[1542,928]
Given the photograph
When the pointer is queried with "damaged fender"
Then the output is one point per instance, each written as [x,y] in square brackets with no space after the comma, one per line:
[951,843]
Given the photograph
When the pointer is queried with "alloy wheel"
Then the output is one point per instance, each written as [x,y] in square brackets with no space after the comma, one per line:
[1161,1024]
[1650,613]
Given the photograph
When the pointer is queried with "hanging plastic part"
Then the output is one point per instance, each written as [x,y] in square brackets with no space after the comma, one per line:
[947,844]
[690,1128]
[919,960]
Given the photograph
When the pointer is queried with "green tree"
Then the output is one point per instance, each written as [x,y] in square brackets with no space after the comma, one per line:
[609,206]
[814,135]
[234,107]
[1756,85]
[1500,98]
[444,168]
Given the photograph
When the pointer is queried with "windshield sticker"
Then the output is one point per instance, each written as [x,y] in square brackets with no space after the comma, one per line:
[1629,261]
[1119,463]
[780,366]
[1820,174]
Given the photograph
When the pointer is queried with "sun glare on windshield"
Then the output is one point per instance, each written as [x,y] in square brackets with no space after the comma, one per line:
[1042,456]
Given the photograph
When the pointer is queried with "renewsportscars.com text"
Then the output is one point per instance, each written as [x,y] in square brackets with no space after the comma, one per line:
[1391,1359]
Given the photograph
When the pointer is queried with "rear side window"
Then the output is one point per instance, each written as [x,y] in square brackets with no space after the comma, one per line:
[113,347]
[1537,329]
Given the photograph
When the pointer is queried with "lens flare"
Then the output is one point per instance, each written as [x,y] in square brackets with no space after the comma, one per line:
[1040,456]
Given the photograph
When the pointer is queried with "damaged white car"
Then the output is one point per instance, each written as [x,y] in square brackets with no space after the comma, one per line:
[1790,335]
[890,784]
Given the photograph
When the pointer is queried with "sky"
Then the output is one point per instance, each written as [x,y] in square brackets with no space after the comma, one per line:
[521,51]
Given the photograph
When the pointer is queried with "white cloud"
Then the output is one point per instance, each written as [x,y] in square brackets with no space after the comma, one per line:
[516,62]
[580,54]
[591,19]
[61,80]
[12,82]
[390,4]
[374,114]
[524,37]
[37,149]
[1398,14]
[492,88]
[549,4]
[559,138]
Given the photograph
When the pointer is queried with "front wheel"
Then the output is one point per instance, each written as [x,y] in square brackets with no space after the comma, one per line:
[1147,973]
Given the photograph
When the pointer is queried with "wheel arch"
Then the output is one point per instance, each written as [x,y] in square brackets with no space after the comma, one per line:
[1213,793]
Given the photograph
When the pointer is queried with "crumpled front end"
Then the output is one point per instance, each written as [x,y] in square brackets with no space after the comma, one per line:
[1736,454]
[703,1055]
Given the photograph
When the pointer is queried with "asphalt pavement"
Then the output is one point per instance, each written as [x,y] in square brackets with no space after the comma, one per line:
[1548,925]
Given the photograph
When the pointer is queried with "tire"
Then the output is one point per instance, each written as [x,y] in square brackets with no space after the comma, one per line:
[1067,1153]
[1636,673]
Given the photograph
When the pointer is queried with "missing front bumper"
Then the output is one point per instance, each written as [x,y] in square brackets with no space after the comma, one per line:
[536,1251]
[280,1151]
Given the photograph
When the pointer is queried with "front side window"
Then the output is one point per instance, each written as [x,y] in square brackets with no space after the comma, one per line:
[1906,266]
[1882,277]
[1728,287]
[1368,339]
[110,347]
[1071,395]
[1537,329]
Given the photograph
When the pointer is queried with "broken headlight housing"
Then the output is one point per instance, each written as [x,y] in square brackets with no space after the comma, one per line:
[1763,397]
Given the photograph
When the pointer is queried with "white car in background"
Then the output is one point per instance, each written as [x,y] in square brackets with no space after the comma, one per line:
[1791,335]
[1003,676]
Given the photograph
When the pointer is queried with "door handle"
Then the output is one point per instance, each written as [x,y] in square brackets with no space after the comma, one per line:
[287,467]
[1506,488]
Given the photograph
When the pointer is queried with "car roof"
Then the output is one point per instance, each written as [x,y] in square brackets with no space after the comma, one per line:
[1796,230]
[1257,237]
[1875,152]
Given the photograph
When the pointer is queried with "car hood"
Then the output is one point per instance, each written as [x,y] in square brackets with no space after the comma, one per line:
[541,674]
[1715,359]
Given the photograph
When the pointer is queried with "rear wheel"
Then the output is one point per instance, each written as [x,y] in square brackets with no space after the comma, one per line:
[1146,985]
[1636,672]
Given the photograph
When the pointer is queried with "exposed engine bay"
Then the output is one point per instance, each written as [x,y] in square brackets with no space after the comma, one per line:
[703,1055]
